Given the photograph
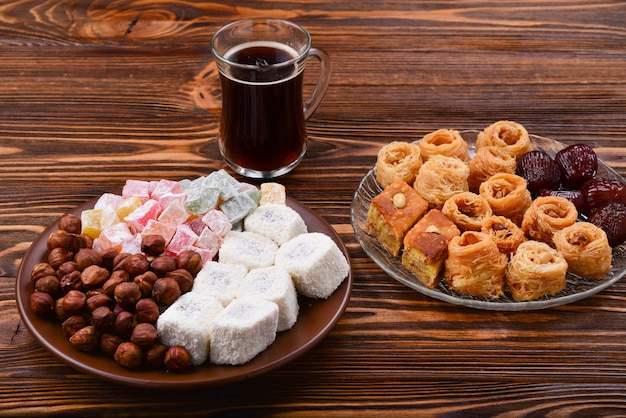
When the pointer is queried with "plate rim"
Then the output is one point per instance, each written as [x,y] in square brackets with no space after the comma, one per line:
[194,377]
[477,303]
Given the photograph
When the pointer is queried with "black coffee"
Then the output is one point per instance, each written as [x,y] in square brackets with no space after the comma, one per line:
[262,126]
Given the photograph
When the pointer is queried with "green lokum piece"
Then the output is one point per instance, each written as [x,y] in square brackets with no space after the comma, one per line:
[228,185]
[200,199]
[238,207]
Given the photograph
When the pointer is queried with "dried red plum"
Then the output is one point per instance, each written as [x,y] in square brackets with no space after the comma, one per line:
[578,163]
[539,170]
[598,192]
[612,219]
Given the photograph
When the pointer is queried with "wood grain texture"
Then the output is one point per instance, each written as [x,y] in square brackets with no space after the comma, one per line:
[95,92]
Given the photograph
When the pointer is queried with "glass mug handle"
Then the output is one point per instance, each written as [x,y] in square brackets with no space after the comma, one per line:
[316,96]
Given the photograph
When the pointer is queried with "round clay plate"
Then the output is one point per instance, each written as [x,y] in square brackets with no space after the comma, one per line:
[315,319]
[576,288]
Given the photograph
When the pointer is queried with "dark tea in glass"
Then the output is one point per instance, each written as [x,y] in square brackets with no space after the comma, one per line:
[262,126]
[261,62]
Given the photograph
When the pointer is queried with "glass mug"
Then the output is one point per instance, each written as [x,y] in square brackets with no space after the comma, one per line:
[261,62]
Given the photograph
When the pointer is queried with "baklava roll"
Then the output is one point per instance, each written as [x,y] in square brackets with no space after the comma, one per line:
[512,137]
[467,210]
[488,161]
[507,195]
[504,232]
[535,270]
[446,142]
[398,160]
[546,216]
[586,249]
[475,266]
[441,177]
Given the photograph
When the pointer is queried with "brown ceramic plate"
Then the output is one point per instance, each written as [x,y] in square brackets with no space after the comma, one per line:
[316,318]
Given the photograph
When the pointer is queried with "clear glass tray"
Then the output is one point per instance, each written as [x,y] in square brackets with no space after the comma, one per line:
[577,287]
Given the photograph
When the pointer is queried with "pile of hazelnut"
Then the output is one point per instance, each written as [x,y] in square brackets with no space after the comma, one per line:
[111,301]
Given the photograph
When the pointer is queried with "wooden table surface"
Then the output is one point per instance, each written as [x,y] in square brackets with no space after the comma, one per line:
[95,92]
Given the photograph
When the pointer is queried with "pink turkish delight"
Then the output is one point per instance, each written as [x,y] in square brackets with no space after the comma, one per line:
[138,188]
[138,218]
[166,186]
[115,236]
[154,227]
[174,214]
[209,240]
[206,254]
[182,239]
[217,222]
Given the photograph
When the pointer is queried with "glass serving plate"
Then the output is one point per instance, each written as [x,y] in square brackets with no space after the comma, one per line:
[315,319]
[576,288]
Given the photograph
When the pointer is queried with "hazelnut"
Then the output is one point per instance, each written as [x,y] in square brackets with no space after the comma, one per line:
[59,312]
[153,244]
[109,343]
[107,258]
[66,268]
[85,241]
[127,294]
[117,277]
[70,223]
[155,356]
[147,310]
[98,300]
[119,262]
[73,324]
[94,276]
[74,302]
[144,334]
[163,264]
[63,239]
[41,303]
[50,285]
[85,339]
[86,257]
[71,281]
[177,359]
[165,291]
[128,355]
[146,283]
[124,324]
[399,200]
[41,270]
[190,261]
[136,264]
[102,318]
[183,278]
[58,256]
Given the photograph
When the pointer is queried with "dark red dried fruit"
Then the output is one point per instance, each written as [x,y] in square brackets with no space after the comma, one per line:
[599,192]
[578,163]
[612,219]
[574,196]
[539,170]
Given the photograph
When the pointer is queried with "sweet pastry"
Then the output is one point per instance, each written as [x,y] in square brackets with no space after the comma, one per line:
[487,161]
[586,249]
[475,266]
[448,142]
[504,232]
[512,137]
[398,160]
[424,254]
[548,215]
[426,246]
[507,195]
[535,270]
[467,210]
[393,212]
[441,177]
[436,221]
